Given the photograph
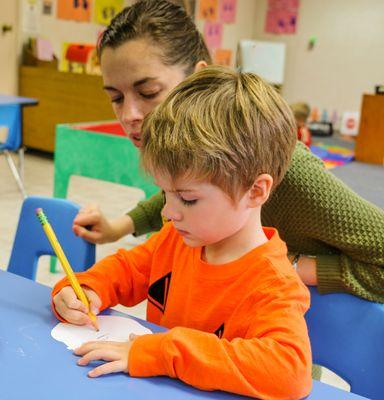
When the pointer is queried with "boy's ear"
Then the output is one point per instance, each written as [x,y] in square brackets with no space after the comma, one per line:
[200,65]
[259,193]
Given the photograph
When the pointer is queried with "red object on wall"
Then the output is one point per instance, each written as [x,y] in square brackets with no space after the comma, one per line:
[79,53]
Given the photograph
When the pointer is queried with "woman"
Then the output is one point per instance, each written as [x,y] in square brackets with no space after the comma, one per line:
[335,237]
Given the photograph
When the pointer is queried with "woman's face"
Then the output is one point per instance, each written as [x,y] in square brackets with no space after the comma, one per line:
[136,81]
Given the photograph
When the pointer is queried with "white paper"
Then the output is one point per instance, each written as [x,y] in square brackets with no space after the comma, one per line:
[112,328]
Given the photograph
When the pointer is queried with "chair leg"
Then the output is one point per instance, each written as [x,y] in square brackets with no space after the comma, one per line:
[15,173]
[21,163]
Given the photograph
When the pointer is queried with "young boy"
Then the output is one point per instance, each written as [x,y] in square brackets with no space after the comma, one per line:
[213,275]
[301,112]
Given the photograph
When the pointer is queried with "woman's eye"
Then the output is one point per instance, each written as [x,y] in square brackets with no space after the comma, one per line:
[149,95]
[117,100]
[188,202]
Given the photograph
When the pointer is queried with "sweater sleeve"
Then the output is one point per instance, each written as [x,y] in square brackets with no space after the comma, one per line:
[146,215]
[121,278]
[273,361]
[325,218]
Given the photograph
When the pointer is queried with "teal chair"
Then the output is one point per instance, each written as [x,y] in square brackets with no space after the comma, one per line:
[346,335]
[31,242]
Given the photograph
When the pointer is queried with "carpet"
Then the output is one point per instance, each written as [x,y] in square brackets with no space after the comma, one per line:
[332,156]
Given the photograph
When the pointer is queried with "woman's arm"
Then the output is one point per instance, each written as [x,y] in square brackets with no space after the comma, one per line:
[146,216]
[318,215]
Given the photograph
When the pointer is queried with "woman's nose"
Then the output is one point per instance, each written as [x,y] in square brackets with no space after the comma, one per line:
[131,112]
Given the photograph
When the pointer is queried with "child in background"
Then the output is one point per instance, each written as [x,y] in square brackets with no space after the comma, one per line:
[301,112]
[219,281]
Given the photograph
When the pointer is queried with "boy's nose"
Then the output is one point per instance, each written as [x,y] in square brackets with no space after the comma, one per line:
[171,213]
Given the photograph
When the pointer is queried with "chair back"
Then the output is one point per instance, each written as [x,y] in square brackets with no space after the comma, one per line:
[10,116]
[346,335]
[31,242]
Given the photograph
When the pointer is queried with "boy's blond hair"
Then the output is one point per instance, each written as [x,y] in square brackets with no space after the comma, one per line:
[223,127]
[301,110]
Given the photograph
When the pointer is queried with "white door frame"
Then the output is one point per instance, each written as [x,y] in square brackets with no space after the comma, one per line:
[9,46]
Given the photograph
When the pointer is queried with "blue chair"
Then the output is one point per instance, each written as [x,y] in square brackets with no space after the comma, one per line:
[31,242]
[10,117]
[346,335]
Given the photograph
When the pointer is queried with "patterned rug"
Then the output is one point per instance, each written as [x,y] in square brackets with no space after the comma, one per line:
[333,156]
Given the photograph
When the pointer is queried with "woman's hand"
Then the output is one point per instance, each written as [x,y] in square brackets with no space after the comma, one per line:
[115,355]
[70,308]
[91,224]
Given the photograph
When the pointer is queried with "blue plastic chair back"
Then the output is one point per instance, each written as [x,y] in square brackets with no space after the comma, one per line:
[346,335]
[10,116]
[31,242]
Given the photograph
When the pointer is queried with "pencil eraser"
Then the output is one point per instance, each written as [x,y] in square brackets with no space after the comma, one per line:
[38,210]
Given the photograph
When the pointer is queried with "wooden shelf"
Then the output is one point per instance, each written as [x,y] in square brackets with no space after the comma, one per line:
[370,140]
[63,97]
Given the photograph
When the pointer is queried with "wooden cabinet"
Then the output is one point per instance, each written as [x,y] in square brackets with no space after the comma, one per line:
[63,97]
[370,140]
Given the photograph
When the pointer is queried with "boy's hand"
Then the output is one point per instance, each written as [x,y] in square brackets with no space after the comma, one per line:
[114,353]
[91,224]
[306,269]
[72,309]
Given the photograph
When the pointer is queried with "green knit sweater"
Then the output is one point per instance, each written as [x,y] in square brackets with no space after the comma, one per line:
[316,214]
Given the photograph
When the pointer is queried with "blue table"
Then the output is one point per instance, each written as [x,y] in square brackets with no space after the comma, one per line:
[33,365]
[24,101]
[11,115]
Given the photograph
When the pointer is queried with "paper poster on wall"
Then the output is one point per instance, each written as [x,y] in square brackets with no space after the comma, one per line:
[47,7]
[209,10]
[350,123]
[105,10]
[213,34]
[228,11]
[31,12]
[76,10]
[282,16]
[223,57]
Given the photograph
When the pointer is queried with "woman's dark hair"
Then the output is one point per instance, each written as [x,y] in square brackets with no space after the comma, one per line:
[165,25]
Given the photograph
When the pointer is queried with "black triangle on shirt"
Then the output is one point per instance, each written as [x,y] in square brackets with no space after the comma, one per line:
[219,332]
[158,292]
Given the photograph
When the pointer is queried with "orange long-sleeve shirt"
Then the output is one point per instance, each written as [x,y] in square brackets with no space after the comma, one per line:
[237,327]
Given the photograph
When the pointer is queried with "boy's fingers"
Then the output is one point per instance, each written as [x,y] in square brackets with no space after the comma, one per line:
[107,368]
[94,300]
[73,316]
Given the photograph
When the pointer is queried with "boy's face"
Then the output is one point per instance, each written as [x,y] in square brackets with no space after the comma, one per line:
[202,213]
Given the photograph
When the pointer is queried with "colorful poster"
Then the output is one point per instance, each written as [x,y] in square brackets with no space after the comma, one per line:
[77,10]
[223,57]
[213,34]
[228,11]
[282,16]
[208,10]
[105,10]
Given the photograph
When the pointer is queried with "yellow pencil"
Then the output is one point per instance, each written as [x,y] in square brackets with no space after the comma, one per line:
[65,264]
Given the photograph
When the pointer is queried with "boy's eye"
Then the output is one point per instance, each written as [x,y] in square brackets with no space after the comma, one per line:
[188,202]
[149,95]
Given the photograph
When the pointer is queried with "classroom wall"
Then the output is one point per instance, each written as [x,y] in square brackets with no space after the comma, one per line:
[59,31]
[243,28]
[347,60]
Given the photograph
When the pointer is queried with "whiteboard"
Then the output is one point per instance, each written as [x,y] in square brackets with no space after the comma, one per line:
[265,59]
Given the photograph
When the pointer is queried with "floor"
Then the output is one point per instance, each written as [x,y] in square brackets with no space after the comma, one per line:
[116,199]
